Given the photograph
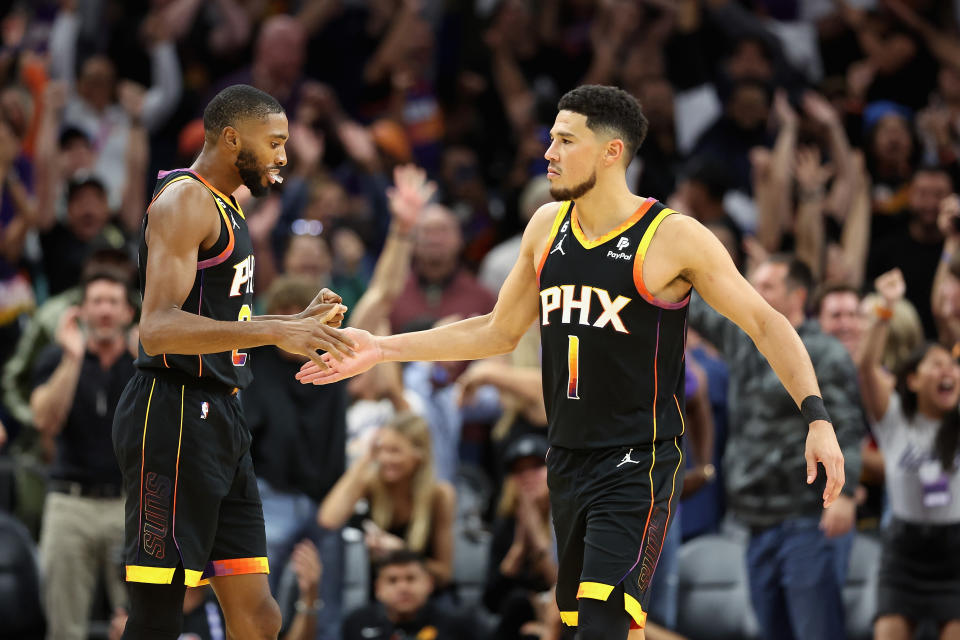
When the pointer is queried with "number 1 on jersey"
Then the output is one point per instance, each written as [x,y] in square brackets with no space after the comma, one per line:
[573,357]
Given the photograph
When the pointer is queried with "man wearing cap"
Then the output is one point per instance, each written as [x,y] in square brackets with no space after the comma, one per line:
[522,558]
[67,244]
[78,382]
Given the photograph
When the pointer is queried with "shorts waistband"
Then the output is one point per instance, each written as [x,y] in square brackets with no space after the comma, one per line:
[175,377]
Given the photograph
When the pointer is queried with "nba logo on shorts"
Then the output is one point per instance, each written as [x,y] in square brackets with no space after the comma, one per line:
[623,243]
[204,410]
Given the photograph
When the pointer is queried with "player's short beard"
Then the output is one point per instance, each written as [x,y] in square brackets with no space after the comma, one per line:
[575,192]
[250,173]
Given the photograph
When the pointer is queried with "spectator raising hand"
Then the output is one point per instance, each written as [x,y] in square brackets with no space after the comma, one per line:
[407,198]
[409,195]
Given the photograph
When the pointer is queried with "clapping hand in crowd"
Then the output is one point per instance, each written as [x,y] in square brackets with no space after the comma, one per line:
[379,542]
[307,566]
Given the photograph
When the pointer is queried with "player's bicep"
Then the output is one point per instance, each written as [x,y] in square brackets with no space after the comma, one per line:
[178,224]
[709,268]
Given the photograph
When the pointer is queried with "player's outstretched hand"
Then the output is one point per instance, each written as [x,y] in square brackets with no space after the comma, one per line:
[366,353]
[822,447]
[307,336]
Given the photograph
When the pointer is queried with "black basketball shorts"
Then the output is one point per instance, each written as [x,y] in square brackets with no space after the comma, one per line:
[611,508]
[191,496]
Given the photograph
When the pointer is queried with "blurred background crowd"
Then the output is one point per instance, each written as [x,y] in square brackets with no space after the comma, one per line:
[818,139]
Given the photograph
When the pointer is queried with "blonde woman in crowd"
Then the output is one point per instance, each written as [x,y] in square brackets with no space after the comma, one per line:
[408,506]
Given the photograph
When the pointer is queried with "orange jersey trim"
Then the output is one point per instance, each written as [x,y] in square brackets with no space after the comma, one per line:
[561,212]
[226,198]
[212,262]
[629,222]
[638,266]
[236,567]
[226,252]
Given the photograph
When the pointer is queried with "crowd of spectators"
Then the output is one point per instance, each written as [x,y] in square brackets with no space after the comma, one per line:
[818,139]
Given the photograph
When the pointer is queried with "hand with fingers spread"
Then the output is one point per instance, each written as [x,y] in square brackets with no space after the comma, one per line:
[409,195]
[822,447]
[307,336]
[811,175]
[820,109]
[365,352]
[69,334]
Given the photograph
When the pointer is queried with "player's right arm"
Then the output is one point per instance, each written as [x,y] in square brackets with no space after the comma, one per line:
[181,221]
[495,333]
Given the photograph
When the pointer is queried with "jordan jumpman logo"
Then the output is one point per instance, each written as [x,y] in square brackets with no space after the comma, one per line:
[626,459]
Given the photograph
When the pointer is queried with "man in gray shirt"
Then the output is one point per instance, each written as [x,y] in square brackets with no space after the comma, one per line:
[798,551]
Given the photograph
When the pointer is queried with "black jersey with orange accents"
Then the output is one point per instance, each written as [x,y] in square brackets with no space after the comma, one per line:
[612,353]
[222,289]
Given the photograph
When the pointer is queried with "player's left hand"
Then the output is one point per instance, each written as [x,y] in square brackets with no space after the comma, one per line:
[822,446]
[839,518]
[321,305]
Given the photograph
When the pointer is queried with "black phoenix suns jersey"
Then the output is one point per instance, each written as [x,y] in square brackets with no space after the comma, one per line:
[613,365]
[222,289]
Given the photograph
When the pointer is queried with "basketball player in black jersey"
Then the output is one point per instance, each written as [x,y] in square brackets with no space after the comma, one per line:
[608,275]
[193,511]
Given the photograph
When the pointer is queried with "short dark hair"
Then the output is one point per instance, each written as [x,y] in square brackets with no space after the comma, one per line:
[81,181]
[831,288]
[711,172]
[612,109]
[799,275]
[935,169]
[399,557]
[71,134]
[110,275]
[235,103]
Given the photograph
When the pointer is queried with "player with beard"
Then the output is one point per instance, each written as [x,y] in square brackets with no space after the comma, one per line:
[608,275]
[193,511]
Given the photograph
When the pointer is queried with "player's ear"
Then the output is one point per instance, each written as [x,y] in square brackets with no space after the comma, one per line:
[231,138]
[613,152]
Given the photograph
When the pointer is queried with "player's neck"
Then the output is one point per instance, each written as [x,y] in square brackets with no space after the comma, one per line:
[606,206]
[218,171]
